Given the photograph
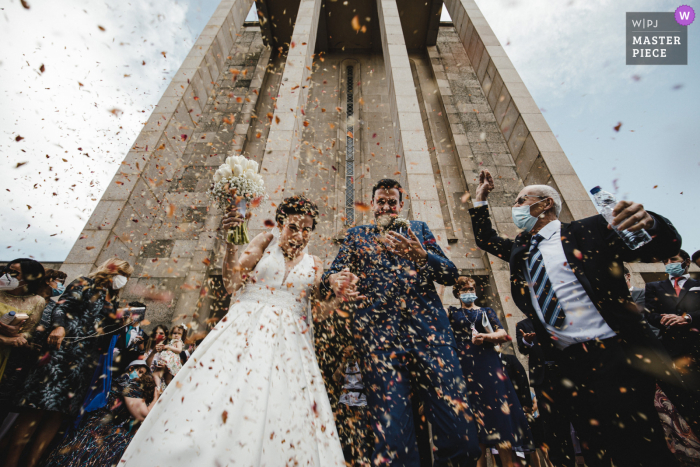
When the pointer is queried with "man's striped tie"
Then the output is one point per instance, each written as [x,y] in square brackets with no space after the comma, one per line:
[549,305]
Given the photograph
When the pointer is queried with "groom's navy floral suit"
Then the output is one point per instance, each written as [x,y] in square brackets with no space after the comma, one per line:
[404,337]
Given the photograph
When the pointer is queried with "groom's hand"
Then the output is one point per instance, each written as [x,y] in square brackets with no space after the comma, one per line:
[408,248]
[344,285]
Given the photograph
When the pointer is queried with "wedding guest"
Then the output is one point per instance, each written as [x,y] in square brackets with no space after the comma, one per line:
[151,355]
[696,258]
[55,388]
[20,281]
[131,339]
[22,361]
[564,278]
[170,354]
[673,306]
[550,429]
[526,396]
[352,415]
[492,398]
[104,434]
[154,343]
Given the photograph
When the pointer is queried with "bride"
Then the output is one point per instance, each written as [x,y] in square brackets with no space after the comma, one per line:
[252,393]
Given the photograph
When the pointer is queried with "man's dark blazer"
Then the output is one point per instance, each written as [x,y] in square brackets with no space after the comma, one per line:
[397,293]
[596,255]
[638,296]
[534,353]
[661,299]
[516,372]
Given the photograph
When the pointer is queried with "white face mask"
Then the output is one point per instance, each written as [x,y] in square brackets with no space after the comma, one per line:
[118,281]
[7,282]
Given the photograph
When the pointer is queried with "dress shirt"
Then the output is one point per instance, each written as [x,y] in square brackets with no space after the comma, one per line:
[681,282]
[583,321]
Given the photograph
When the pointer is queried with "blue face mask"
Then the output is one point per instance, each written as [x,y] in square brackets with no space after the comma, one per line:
[467,298]
[134,375]
[522,217]
[675,269]
[58,290]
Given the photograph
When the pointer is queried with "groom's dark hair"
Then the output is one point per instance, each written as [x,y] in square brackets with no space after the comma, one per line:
[388,184]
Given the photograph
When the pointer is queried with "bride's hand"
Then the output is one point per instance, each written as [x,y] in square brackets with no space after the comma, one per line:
[232,218]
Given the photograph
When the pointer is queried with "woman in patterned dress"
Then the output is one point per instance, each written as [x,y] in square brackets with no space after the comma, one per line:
[56,386]
[105,433]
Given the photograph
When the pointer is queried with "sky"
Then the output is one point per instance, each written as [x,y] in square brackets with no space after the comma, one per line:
[106,64]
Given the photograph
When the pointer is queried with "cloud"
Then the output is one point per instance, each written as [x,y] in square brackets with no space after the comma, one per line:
[106,65]
[567,42]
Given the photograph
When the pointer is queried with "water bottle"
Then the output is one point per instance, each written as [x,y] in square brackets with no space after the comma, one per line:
[8,317]
[606,203]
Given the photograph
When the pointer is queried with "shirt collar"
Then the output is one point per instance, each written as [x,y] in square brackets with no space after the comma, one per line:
[550,229]
[683,277]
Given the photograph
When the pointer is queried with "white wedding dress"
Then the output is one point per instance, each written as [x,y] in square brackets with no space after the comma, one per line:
[252,393]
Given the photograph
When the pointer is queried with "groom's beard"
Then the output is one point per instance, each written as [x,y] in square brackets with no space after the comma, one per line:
[385,220]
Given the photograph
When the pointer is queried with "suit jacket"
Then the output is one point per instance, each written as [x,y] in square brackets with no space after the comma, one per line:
[661,299]
[516,372]
[400,298]
[595,255]
[638,296]
[534,353]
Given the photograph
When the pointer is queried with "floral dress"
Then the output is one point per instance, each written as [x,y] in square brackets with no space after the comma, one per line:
[60,379]
[104,434]
[171,359]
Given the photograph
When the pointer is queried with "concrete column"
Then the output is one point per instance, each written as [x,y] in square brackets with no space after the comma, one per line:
[417,175]
[281,156]
[125,214]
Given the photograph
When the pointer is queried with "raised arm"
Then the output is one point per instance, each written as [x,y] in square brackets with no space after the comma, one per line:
[486,237]
[666,241]
[236,269]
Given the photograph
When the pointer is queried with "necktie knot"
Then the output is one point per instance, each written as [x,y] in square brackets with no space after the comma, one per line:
[535,240]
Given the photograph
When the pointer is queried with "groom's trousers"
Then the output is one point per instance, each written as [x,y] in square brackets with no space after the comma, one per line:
[436,374]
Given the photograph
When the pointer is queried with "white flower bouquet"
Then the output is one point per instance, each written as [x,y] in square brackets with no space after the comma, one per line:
[237,182]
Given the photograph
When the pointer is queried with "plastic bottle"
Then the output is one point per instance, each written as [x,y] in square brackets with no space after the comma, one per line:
[8,317]
[606,203]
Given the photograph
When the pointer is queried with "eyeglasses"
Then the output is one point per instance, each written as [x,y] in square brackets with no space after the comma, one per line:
[390,202]
[522,199]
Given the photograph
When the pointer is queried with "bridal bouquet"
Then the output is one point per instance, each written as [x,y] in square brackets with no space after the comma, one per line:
[388,222]
[237,182]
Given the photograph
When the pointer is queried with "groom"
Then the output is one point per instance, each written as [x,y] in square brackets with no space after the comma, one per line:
[403,334]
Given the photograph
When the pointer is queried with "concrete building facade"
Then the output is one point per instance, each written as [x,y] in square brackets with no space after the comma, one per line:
[328,97]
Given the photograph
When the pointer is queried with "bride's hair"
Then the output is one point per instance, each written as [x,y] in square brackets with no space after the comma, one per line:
[296,204]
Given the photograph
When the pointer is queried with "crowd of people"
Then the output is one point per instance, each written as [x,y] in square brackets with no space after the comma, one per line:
[73,363]
[396,378]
